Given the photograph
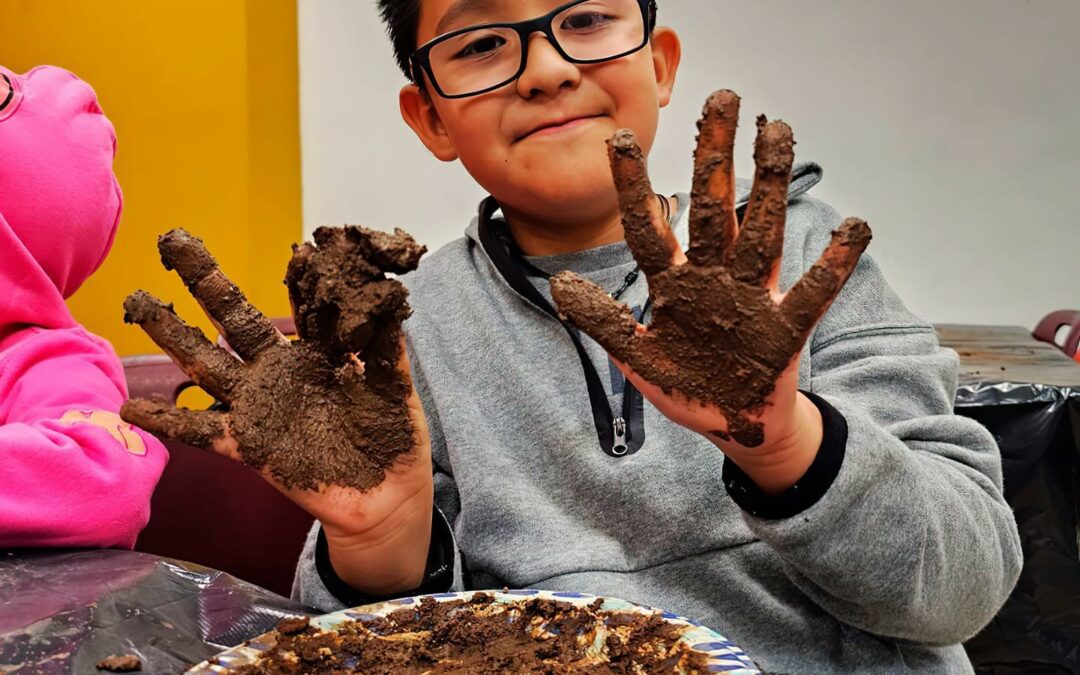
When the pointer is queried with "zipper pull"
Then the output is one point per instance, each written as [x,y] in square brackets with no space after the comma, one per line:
[619,447]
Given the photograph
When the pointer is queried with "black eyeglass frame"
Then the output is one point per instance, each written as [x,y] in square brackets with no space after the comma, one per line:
[421,58]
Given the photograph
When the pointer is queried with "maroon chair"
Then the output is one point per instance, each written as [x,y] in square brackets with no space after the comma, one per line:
[1052,323]
[210,510]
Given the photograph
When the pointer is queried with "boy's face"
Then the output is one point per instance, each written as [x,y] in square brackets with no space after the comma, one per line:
[539,144]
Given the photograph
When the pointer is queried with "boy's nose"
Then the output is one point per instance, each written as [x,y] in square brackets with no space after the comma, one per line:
[546,71]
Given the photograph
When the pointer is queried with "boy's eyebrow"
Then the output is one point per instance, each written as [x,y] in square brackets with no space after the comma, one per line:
[459,10]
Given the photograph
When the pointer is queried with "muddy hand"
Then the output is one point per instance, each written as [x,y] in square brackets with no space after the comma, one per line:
[722,335]
[335,407]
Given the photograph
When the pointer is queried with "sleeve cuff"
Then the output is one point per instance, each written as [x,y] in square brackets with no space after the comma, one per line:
[810,488]
[438,575]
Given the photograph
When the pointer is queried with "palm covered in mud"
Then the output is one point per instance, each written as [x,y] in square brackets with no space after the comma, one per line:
[723,343]
[333,412]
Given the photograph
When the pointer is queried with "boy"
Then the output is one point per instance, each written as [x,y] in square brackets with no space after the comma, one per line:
[820,505]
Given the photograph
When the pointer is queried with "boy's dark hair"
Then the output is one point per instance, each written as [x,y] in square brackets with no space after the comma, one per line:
[402,18]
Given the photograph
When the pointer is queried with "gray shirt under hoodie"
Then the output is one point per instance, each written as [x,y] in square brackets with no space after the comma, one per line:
[909,551]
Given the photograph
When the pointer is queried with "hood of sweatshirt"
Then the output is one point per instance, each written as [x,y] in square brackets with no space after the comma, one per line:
[60,202]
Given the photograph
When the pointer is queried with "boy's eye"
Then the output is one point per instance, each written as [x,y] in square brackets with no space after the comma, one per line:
[584,21]
[481,46]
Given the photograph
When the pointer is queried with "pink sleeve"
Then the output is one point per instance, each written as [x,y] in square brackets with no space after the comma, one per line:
[71,472]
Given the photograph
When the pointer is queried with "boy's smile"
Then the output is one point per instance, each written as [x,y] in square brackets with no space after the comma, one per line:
[557,126]
[538,143]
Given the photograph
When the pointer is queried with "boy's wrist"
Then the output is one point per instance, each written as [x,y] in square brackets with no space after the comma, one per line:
[781,463]
[814,482]
[384,560]
[437,576]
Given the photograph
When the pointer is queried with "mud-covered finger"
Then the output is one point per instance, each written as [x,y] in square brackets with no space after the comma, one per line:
[208,365]
[396,253]
[811,296]
[713,223]
[603,318]
[247,330]
[382,363]
[381,305]
[200,428]
[340,299]
[756,259]
[647,233]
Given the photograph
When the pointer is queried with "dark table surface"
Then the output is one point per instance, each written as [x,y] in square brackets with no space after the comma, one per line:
[62,612]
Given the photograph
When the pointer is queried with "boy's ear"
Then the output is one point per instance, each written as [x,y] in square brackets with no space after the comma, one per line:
[418,111]
[667,54]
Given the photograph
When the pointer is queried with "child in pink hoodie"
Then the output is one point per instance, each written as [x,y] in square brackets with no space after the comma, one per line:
[72,473]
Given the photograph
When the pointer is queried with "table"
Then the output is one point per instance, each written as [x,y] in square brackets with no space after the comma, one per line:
[993,355]
[1027,393]
[62,612]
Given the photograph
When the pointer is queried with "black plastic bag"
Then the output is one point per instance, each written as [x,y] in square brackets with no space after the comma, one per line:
[1038,430]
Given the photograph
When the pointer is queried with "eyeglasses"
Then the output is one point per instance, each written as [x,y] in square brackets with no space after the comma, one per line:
[479,59]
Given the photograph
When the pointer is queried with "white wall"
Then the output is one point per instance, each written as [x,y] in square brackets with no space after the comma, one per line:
[950,125]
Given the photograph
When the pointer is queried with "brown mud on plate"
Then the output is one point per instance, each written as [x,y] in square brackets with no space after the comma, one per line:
[480,636]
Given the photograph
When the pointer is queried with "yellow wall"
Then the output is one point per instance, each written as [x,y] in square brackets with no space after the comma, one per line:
[204,96]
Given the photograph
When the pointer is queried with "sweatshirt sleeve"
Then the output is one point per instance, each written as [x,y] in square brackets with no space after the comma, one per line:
[72,473]
[912,539]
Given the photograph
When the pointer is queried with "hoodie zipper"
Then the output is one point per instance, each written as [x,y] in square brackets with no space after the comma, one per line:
[619,447]
[616,440]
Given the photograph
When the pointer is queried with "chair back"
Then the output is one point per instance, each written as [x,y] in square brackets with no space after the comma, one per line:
[1051,325]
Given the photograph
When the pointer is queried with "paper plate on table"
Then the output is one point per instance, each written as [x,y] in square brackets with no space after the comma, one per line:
[720,654]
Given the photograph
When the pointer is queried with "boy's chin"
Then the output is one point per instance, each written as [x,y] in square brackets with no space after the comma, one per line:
[567,191]
[570,177]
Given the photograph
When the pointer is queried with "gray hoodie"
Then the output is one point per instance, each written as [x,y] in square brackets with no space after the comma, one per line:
[903,548]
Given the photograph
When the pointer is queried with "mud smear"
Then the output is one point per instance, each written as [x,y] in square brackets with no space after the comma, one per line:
[127,663]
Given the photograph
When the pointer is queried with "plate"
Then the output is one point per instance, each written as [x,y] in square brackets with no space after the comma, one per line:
[722,655]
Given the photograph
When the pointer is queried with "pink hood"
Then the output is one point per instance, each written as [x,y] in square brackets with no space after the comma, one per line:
[59,200]
[73,473]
